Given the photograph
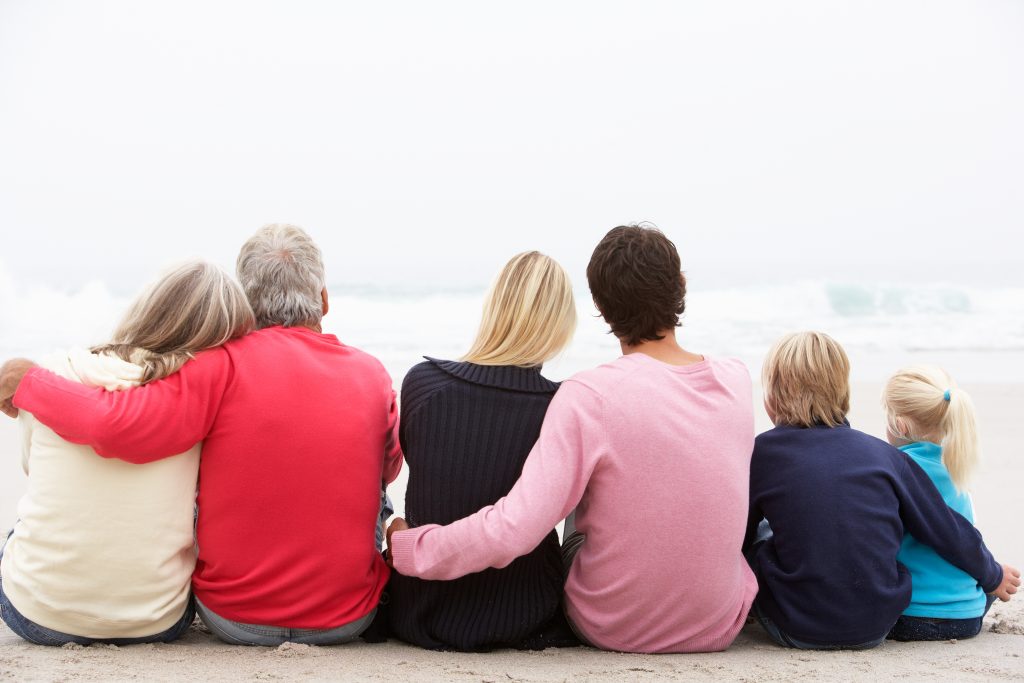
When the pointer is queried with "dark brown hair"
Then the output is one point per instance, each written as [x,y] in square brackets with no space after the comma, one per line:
[635,279]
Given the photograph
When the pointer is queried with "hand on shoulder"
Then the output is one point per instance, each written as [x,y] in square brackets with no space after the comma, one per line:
[11,374]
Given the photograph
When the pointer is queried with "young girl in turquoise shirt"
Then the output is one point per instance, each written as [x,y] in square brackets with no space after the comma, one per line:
[932,421]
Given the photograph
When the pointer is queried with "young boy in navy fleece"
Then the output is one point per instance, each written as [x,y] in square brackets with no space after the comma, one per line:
[829,507]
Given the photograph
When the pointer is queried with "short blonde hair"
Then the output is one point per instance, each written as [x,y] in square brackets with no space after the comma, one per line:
[924,403]
[529,314]
[194,307]
[806,379]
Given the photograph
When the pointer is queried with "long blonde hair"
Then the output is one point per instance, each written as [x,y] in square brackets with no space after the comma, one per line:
[529,314]
[923,402]
[194,307]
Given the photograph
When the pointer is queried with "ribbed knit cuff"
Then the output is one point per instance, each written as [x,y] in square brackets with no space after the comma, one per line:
[402,549]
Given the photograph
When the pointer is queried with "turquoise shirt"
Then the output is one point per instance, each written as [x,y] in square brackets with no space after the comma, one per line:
[940,590]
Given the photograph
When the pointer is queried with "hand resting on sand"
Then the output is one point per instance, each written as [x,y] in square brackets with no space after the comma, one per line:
[1011,581]
[397,524]
[11,373]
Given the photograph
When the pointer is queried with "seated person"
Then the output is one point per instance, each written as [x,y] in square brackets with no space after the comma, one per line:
[829,507]
[103,550]
[467,427]
[652,451]
[299,432]
[932,420]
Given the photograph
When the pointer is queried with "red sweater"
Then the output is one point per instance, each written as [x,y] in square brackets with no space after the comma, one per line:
[298,433]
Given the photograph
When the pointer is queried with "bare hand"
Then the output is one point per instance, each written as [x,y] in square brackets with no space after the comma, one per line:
[1011,581]
[11,374]
[397,524]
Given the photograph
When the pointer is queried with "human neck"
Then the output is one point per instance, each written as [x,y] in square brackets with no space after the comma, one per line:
[666,349]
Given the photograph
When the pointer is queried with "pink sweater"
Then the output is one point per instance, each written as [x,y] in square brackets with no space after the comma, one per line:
[655,459]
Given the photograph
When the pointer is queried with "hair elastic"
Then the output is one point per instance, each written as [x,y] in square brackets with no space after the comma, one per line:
[945,396]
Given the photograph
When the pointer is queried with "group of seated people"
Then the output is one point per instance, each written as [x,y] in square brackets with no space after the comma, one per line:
[678,522]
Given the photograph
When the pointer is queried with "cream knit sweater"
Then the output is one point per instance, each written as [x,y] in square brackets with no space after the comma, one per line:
[102,548]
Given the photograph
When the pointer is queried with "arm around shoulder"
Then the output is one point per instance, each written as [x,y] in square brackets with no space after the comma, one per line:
[930,520]
[553,480]
[160,419]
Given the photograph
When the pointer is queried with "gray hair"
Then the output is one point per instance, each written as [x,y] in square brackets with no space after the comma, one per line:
[282,272]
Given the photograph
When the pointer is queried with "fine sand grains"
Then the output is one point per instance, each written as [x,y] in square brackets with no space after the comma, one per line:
[997,654]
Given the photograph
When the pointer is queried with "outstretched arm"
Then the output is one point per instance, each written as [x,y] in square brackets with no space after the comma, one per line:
[140,425]
[554,478]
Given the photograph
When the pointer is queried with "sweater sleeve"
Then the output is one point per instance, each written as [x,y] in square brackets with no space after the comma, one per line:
[553,480]
[392,445]
[157,420]
[928,518]
[754,514]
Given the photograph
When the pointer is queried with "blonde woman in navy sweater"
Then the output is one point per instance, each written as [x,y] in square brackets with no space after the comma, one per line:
[467,427]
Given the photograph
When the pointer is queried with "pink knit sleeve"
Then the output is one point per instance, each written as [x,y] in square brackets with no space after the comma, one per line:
[554,478]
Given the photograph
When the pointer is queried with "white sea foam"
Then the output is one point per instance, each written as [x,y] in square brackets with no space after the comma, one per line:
[979,330]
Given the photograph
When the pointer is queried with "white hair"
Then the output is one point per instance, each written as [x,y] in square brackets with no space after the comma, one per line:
[282,272]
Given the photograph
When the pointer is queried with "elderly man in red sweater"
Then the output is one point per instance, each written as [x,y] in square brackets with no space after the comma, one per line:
[299,433]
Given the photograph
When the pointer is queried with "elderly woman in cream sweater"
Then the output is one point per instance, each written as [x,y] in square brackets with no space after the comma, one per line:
[103,550]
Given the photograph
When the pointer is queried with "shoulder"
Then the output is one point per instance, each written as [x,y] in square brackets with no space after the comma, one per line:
[729,365]
[600,379]
[423,380]
[425,372]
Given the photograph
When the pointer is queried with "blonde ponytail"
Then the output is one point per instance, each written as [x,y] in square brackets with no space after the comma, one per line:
[959,438]
[923,403]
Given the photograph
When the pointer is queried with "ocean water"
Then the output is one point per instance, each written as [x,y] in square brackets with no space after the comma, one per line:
[976,332]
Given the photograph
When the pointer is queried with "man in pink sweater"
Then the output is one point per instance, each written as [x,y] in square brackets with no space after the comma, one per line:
[652,451]
[299,431]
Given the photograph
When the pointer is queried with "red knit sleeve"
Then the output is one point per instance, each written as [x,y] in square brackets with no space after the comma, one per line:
[160,419]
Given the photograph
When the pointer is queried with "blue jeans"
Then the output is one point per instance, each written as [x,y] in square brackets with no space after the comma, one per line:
[238,633]
[40,635]
[786,640]
[386,510]
[926,628]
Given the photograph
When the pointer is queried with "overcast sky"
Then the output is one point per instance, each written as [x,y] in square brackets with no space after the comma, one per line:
[425,143]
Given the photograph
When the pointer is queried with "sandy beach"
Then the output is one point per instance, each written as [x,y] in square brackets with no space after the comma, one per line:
[997,654]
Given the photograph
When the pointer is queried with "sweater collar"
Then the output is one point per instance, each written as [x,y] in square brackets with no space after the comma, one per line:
[510,377]
[923,449]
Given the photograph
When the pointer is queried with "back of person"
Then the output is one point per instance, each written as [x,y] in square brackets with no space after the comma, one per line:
[467,428]
[665,508]
[290,483]
[466,431]
[940,590]
[104,550]
[932,420]
[829,571]
[829,507]
[646,458]
[92,532]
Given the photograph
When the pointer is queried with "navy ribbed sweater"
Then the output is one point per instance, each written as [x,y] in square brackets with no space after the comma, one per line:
[839,502]
[466,430]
